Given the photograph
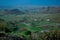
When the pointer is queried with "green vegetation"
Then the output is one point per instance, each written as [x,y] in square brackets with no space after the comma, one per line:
[31,27]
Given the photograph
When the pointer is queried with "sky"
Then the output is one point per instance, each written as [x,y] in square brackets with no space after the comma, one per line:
[29,2]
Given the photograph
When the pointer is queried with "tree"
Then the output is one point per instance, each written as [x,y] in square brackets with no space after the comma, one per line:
[4,27]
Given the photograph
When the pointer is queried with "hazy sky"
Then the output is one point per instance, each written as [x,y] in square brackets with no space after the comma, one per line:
[30,2]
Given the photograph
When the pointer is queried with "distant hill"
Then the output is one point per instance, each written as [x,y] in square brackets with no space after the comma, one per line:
[31,10]
[12,11]
[16,11]
[50,10]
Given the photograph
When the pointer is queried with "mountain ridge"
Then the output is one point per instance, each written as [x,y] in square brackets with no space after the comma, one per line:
[32,10]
